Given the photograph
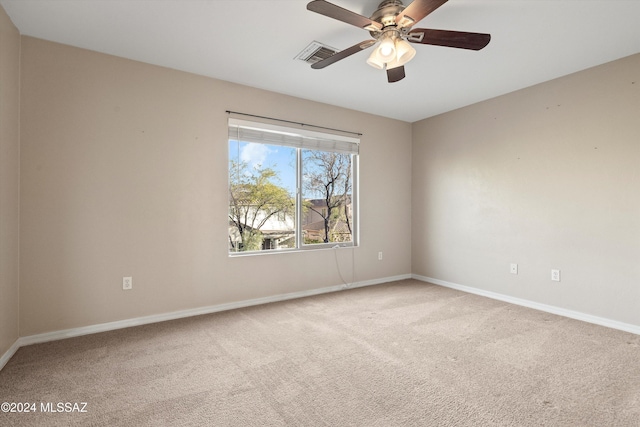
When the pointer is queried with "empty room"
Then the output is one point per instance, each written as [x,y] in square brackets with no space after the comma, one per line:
[314,213]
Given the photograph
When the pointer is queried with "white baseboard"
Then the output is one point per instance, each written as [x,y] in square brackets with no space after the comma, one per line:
[614,324]
[110,326]
[9,353]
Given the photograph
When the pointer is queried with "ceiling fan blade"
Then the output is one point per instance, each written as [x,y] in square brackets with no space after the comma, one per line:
[395,74]
[418,9]
[343,54]
[336,12]
[459,39]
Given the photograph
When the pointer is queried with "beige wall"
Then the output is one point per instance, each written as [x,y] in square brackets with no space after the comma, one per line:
[9,181]
[546,177]
[124,173]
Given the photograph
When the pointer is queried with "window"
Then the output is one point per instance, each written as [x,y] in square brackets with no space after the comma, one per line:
[290,188]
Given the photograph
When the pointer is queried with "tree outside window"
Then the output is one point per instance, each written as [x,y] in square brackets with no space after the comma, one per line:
[326,184]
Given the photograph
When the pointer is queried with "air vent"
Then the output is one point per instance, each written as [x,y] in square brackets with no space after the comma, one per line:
[315,52]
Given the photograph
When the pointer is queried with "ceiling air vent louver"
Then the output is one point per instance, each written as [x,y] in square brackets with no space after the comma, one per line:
[315,52]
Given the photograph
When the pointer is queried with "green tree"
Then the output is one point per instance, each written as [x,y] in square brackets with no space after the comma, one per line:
[254,198]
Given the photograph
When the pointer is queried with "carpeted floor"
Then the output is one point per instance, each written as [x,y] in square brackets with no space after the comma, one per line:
[400,354]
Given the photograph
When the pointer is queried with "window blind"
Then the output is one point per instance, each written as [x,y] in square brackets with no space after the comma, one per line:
[249,131]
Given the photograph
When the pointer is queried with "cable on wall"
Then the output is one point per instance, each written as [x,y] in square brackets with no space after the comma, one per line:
[353,266]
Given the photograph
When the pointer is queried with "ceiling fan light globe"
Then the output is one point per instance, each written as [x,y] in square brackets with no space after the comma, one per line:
[394,64]
[387,50]
[406,52]
[375,61]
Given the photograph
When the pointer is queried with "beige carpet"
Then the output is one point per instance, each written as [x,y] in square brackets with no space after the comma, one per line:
[399,354]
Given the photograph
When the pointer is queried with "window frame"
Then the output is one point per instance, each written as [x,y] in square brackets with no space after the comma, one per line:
[300,139]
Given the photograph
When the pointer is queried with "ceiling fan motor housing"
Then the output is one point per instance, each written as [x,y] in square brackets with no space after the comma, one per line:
[387,12]
[386,15]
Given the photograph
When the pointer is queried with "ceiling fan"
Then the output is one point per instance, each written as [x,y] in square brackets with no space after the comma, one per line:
[391,27]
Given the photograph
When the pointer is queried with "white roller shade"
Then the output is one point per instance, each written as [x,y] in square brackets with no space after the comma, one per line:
[247,131]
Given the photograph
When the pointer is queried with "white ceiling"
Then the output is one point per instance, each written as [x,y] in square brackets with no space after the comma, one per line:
[254,42]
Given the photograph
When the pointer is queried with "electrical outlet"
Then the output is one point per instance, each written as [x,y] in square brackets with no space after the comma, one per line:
[380,256]
[514,268]
[127,283]
[555,275]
